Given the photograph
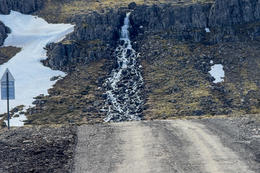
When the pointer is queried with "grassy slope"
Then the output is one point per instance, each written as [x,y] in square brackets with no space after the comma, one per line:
[7,53]
[75,99]
[177,84]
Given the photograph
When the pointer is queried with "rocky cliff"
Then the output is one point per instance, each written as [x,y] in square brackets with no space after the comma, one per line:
[223,17]
[96,33]
[23,6]
[94,38]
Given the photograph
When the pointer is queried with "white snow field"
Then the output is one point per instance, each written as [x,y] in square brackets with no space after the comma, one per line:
[217,72]
[32,34]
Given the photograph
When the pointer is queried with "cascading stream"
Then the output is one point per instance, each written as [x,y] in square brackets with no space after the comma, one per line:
[125,84]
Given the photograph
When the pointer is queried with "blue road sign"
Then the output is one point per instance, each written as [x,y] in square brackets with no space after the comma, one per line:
[4,90]
[11,86]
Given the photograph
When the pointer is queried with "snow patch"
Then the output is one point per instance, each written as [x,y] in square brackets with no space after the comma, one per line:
[217,72]
[207,30]
[17,121]
[32,34]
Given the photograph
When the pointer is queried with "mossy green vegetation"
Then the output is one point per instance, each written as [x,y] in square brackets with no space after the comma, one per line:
[77,98]
[7,53]
[178,83]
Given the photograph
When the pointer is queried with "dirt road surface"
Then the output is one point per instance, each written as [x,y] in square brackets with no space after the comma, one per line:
[172,146]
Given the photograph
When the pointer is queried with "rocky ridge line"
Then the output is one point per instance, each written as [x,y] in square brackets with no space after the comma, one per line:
[96,34]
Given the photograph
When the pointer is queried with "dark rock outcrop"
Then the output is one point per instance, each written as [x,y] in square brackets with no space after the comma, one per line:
[179,20]
[3,32]
[95,37]
[231,12]
[224,18]
[227,20]
[23,6]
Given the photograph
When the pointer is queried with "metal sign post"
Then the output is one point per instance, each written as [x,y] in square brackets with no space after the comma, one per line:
[7,94]
[7,91]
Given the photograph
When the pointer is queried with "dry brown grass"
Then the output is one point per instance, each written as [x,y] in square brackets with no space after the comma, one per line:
[60,11]
[177,88]
[7,53]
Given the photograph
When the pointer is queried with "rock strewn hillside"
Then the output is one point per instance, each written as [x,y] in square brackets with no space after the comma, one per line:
[174,47]
[178,81]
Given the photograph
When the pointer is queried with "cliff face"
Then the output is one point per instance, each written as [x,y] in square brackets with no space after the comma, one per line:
[23,6]
[96,33]
[189,22]
[231,12]
[228,20]
[94,38]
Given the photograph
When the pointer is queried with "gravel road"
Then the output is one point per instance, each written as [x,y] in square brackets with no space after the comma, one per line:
[218,145]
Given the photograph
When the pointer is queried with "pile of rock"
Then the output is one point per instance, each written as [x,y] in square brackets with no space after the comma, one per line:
[37,149]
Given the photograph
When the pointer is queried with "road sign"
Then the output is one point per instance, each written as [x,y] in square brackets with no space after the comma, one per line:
[7,90]
[10,86]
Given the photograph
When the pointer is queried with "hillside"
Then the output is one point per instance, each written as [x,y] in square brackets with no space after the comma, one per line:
[189,69]
[178,43]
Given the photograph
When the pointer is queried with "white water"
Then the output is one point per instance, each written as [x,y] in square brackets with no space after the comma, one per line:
[31,34]
[124,94]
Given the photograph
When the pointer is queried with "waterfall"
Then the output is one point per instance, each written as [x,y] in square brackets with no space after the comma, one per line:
[125,84]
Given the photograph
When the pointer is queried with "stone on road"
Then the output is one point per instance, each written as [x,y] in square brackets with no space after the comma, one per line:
[181,146]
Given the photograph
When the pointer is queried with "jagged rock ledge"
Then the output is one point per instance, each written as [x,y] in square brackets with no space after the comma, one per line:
[23,6]
[96,34]
[227,20]
[94,38]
